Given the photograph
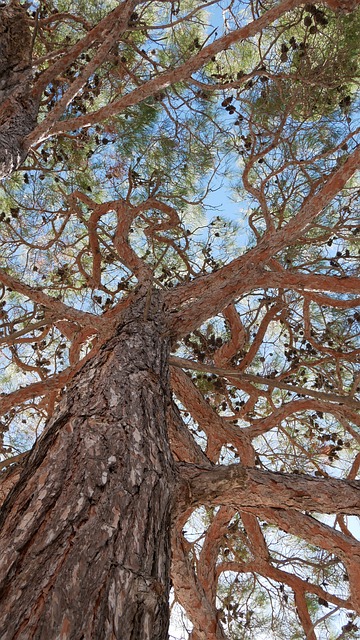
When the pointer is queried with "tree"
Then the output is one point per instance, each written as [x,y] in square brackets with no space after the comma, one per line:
[189,386]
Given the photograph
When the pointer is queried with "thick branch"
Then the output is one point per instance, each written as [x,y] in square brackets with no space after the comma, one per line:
[191,594]
[182,444]
[194,302]
[181,73]
[313,282]
[242,487]
[118,23]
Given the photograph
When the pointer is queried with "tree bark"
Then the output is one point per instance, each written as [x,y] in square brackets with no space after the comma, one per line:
[240,487]
[18,110]
[85,539]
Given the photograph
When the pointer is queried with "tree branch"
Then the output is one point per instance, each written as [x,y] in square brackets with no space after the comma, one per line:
[197,301]
[242,487]
[181,73]
[185,363]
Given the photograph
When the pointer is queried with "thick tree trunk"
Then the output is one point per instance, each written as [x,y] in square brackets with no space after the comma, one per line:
[85,532]
[18,110]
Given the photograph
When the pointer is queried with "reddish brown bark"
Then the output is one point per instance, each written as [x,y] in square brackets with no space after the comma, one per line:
[169,77]
[89,518]
[18,109]
[85,540]
[242,487]
[192,595]
[345,547]
[218,289]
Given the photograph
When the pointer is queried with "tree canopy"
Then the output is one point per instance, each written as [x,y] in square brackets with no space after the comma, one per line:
[208,151]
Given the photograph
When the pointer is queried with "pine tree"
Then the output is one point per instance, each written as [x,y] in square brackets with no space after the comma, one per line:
[180,386]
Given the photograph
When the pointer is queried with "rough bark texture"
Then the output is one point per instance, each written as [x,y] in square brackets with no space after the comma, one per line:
[18,111]
[242,487]
[89,518]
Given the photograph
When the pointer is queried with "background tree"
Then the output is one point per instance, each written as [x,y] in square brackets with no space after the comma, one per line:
[188,378]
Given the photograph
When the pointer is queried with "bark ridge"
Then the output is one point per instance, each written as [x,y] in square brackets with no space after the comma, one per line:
[89,518]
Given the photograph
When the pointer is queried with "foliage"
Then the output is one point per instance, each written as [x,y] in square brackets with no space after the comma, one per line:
[135,196]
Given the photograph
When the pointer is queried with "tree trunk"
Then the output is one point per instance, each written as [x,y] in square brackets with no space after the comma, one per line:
[85,532]
[18,110]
